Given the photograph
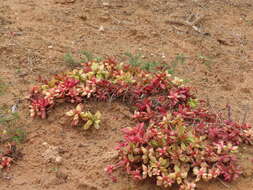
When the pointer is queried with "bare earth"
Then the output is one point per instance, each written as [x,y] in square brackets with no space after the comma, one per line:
[35,35]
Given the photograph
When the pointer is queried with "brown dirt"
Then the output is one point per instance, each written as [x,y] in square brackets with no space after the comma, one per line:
[35,35]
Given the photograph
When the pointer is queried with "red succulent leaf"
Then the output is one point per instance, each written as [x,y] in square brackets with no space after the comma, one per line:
[135,134]
[70,82]
[6,162]
[136,174]
[144,104]
[109,169]
[40,105]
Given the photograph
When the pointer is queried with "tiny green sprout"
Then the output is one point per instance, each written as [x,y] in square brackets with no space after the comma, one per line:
[69,59]
[193,103]
[18,71]
[54,169]
[3,87]
[205,60]
[88,56]
[9,118]
[186,80]
[137,61]
[17,135]
[150,66]
[170,71]
[180,58]
[134,60]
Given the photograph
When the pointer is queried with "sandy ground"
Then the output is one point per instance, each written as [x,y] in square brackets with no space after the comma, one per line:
[214,39]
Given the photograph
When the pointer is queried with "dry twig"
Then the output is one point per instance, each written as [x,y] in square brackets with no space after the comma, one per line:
[191,21]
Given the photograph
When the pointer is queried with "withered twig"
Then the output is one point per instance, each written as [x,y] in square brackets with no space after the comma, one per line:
[229,112]
[211,107]
[245,115]
[223,183]
[188,22]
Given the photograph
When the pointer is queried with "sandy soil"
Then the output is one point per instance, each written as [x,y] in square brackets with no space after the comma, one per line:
[35,35]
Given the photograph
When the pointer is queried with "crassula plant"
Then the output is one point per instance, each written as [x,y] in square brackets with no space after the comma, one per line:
[8,156]
[87,117]
[176,139]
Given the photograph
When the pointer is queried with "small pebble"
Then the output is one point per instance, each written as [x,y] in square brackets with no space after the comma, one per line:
[101,28]
[58,159]
[106,4]
[14,108]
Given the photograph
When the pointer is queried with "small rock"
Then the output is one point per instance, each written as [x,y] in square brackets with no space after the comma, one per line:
[83,17]
[106,4]
[81,145]
[248,172]
[101,29]
[104,18]
[52,154]
[22,74]
[14,108]
[17,33]
[58,159]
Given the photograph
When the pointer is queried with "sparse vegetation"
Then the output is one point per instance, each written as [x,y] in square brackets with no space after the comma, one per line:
[8,156]
[179,59]
[9,135]
[87,56]
[7,116]
[3,87]
[16,134]
[70,60]
[137,61]
[205,60]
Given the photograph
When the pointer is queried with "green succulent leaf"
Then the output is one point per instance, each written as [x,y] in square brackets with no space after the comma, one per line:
[154,143]
[181,130]
[98,115]
[70,113]
[131,157]
[163,162]
[87,125]
[97,126]
[193,103]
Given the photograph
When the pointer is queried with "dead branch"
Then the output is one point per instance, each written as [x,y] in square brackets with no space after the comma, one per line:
[191,21]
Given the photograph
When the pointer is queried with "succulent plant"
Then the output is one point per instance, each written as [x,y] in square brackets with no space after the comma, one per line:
[176,139]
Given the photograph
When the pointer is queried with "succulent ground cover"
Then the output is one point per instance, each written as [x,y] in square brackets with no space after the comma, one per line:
[8,155]
[176,139]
